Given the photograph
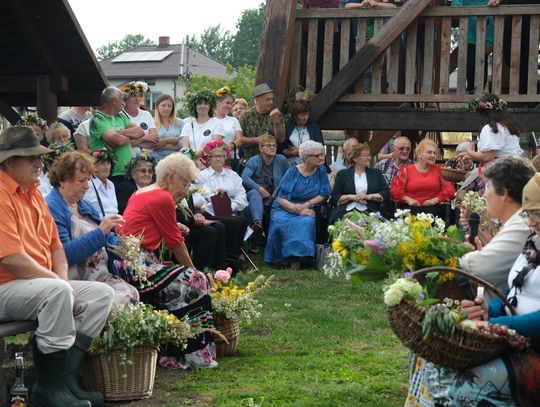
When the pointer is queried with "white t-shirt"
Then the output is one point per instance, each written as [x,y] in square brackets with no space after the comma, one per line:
[298,136]
[200,134]
[230,126]
[145,121]
[228,181]
[73,118]
[107,196]
[503,142]
[84,129]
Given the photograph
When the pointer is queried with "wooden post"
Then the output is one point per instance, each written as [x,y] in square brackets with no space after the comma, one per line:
[47,100]
[277,40]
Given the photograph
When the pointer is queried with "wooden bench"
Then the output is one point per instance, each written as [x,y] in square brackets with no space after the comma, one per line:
[10,329]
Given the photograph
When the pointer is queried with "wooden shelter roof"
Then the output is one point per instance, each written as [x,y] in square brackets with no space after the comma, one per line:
[46,59]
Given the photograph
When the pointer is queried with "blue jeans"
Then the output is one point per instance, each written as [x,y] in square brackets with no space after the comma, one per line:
[256,206]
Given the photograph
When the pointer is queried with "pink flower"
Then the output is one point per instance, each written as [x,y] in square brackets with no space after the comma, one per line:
[223,275]
[375,246]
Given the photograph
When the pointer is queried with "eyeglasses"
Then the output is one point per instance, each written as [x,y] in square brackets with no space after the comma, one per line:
[268,145]
[217,156]
[149,171]
[316,155]
[533,216]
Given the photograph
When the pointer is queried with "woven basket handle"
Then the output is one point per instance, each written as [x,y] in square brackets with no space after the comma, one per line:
[490,287]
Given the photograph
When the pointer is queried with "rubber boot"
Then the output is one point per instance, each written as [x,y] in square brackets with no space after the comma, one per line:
[50,389]
[75,356]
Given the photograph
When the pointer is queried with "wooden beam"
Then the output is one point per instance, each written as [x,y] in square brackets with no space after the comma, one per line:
[28,83]
[277,41]
[7,111]
[339,118]
[365,57]
[47,100]
[36,40]
[436,98]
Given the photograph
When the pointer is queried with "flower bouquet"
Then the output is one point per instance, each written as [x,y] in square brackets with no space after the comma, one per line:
[440,331]
[232,304]
[122,361]
[369,246]
[476,202]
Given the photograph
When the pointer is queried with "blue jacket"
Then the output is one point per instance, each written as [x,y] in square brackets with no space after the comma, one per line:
[79,249]
[254,165]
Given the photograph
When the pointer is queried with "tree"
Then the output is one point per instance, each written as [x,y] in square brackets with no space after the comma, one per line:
[212,43]
[127,43]
[242,82]
[246,43]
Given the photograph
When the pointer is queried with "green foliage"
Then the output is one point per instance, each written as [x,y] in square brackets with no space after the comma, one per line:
[242,81]
[213,43]
[115,48]
[19,339]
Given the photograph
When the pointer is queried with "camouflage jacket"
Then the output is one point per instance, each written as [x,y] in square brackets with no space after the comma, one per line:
[253,125]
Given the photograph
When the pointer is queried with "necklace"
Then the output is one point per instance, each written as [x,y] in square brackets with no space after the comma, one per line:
[301,133]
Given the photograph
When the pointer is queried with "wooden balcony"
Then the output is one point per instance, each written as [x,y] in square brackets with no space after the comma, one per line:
[417,55]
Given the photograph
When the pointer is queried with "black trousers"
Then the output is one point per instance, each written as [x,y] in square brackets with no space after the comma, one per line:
[207,244]
[235,227]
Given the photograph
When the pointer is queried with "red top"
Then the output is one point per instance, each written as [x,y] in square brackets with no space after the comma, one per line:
[421,186]
[152,213]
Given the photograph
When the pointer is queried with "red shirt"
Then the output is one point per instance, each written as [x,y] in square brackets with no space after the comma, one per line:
[153,214]
[421,186]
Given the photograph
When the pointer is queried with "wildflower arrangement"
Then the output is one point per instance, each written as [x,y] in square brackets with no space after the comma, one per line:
[104,154]
[476,104]
[476,202]
[233,302]
[135,87]
[225,90]
[141,324]
[133,258]
[32,119]
[212,145]
[57,150]
[367,245]
[204,94]
[136,159]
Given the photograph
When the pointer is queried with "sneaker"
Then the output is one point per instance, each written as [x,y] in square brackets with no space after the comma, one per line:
[258,230]
[210,365]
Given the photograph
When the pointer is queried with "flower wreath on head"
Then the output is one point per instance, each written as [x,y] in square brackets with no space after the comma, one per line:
[57,150]
[104,154]
[212,145]
[32,118]
[134,87]
[135,160]
[477,104]
[194,98]
[226,90]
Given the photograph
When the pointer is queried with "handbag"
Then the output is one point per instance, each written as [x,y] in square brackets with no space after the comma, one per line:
[322,251]
[222,205]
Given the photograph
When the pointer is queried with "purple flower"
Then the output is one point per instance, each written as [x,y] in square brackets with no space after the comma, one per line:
[408,274]
[421,296]
[359,222]
[375,246]
[377,215]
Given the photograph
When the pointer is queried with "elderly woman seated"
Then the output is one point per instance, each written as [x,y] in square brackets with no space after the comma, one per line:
[512,379]
[84,234]
[359,187]
[420,187]
[139,174]
[222,198]
[151,213]
[291,236]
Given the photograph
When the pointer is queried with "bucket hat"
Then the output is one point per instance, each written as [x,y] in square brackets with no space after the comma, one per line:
[20,141]
[261,89]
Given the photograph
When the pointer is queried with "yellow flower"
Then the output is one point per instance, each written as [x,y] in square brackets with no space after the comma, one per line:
[336,245]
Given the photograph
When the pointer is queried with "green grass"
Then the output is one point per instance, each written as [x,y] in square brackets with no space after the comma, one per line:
[320,342]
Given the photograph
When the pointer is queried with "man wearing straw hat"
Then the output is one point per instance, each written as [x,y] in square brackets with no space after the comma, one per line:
[33,277]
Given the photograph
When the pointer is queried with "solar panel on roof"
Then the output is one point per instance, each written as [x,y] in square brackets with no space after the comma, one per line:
[147,56]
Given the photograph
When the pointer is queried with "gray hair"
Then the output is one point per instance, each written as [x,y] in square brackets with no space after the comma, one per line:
[351,141]
[56,128]
[177,165]
[462,147]
[308,147]
[108,94]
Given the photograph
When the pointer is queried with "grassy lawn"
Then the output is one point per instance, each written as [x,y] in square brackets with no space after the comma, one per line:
[320,342]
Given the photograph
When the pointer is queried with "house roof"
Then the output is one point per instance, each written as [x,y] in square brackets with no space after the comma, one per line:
[174,60]
[43,46]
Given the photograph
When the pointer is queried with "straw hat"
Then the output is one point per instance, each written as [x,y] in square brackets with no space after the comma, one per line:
[20,141]
[531,194]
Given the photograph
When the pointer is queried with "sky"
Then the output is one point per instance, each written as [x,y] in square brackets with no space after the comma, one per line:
[155,18]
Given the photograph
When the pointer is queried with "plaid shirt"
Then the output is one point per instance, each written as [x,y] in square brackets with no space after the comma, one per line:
[390,168]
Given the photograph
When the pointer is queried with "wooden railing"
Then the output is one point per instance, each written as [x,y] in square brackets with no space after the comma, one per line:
[405,72]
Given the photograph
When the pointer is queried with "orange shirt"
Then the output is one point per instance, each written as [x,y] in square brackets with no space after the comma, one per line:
[26,226]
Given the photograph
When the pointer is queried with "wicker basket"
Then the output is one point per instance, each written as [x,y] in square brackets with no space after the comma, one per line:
[459,351]
[453,174]
[231,331]
[103,372]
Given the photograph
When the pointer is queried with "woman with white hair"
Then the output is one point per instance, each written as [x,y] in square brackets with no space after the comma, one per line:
[291,236]
[151,212]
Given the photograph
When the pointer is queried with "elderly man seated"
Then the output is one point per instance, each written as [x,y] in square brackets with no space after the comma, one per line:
[261,178]
[34,281]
